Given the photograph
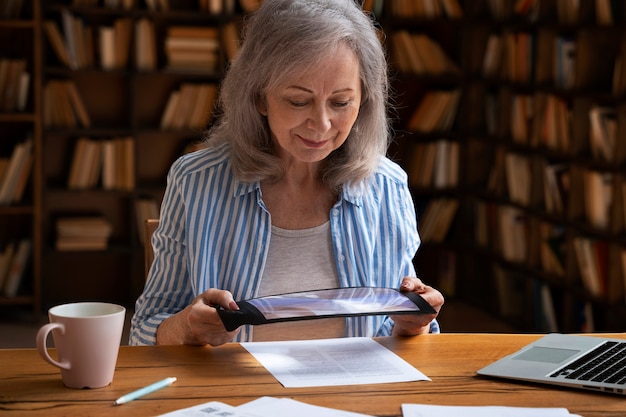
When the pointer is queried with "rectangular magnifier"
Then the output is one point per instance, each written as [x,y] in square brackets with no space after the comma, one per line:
[317,304]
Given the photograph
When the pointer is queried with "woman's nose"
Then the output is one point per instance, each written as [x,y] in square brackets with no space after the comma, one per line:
[319,119]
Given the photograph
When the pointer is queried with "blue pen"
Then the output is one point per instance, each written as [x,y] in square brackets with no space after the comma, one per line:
[144,391]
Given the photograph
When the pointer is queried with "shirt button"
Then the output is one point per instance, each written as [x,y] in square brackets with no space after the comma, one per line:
[335,212]
[341,258]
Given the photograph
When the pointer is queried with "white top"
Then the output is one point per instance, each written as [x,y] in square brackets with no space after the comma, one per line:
[314,270]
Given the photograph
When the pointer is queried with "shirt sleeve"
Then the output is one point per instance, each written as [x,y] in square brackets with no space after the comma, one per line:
[168,289]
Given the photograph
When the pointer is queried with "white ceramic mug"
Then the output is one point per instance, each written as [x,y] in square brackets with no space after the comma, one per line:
[87,338]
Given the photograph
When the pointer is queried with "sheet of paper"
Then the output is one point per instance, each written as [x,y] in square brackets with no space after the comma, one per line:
[421,410]
[286,407]
[210,409]
[261,407]
[331,362]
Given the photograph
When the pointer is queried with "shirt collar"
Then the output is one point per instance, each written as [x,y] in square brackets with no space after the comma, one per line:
[350,193]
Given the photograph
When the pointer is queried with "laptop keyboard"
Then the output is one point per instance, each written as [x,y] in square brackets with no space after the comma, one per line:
[606,363]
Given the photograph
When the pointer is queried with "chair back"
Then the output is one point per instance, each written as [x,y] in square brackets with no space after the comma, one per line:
[150,226]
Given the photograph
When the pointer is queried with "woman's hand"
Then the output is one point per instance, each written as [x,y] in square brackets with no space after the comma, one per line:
[410,325]
[199,323]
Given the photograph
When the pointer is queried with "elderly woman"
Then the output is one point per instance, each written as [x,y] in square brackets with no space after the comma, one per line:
[293,191]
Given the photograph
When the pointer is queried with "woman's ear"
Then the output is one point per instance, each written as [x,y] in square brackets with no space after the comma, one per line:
[261,106]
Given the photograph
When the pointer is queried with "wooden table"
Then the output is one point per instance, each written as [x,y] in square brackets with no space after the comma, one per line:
[30,387]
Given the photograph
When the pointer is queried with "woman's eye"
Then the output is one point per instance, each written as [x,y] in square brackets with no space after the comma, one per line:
[341,103]
[297,103]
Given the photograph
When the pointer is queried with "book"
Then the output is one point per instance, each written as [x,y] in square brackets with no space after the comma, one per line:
[604,12]
[518,177]
[10,84]
[145,45]
[436,111]
[82,233]
[201,112]
[23,177]
[63,105]
[123,31]
[437,219]
[4,165]
[18,162]
[56,40]
[547,307]
[552,249]
[513,233]
[446,163]
[589,273]
[510,289]
[432,55]
[22,91]
[565,52]
[250,6]
[17,268]
[170,110]
[86,163]
[422,164]
[492,59]
[6,256]
[406,54]
[452,8]
[598,197]
[107,47]
[555,187]
[192,49]
[71,36]
[77,103]
[118,163]
[603,131]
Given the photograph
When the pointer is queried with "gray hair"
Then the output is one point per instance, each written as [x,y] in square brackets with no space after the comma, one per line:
[282,38]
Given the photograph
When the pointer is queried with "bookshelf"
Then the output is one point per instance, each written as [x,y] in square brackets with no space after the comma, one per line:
[109,148]
[537,123]
[20,155]
[510,119]
[546,219]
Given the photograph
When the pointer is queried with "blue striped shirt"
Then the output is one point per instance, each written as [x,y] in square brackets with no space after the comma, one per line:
[215,230]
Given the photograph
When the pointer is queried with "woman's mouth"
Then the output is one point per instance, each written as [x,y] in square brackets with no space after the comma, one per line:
[313,143]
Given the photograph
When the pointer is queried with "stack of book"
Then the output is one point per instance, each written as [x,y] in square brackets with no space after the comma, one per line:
[111,160]
[63,105]
[437,218]
[434,164]
[115,44]
[74,47]
[419,54]
[82,233]
[192,49]
[78,41]
[436,112]
[191,106]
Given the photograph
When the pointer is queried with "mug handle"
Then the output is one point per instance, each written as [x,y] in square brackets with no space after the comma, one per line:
[42,335]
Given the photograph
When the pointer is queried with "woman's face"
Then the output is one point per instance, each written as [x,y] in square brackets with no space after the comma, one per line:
[311,114]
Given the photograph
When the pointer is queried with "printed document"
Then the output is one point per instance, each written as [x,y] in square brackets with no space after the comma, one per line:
[332,362]
[422,410]
[261,407]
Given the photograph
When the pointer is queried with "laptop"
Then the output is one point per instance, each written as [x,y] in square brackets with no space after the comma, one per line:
[586,362]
